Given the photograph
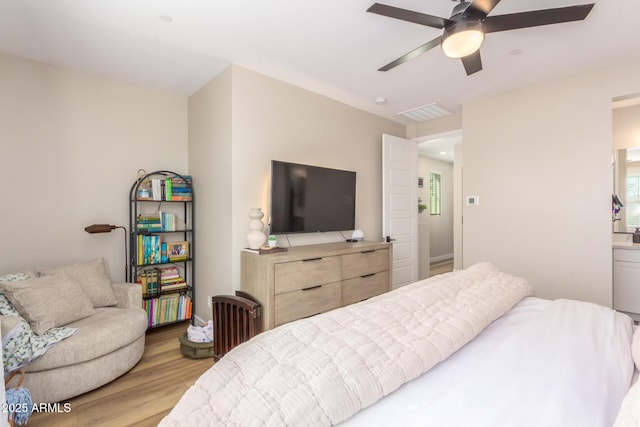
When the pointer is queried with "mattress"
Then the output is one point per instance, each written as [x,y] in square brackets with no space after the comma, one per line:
[561,363]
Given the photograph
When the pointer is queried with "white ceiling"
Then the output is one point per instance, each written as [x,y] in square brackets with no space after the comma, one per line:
[441,146]
[332,47]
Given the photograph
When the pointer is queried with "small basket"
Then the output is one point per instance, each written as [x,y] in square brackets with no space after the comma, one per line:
[195,350]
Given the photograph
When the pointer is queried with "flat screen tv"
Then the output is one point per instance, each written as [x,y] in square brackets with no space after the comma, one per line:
[306,199]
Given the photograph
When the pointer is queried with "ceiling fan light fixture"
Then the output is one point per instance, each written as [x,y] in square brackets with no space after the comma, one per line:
[462,39]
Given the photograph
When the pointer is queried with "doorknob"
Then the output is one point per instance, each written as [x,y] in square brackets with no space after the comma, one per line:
[389,239]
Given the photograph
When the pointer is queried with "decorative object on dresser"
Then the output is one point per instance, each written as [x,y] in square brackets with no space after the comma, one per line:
[312,279]
[264,250]
[162,240]
[356,236]
[256,237]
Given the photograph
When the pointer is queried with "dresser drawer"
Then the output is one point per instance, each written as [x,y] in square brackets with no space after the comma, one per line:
[366,262]
[303,303]
[292,276]
[361,288]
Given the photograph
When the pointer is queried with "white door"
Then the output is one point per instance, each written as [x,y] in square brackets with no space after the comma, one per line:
[400,206]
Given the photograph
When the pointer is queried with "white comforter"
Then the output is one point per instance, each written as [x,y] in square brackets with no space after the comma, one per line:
[545,364]
[324,369]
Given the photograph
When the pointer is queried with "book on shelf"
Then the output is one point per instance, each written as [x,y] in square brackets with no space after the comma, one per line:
[152,249]
[168,189]
[167,221]
[266,250]
[163,252]
[169,273]
[149,223]
[173,188]
[156,189]
[160,221]
[171,280]
[148,280]
[168,309]
[177,251]
[175,287]
[180,188]
[149,249]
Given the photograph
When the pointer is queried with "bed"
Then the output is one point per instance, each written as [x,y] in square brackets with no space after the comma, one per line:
[471,347]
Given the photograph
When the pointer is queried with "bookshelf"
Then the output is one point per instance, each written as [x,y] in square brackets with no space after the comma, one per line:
[162,245]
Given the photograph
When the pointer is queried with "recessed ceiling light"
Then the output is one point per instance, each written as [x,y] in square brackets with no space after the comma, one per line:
[166,19]
[515,52]
[442,153]
[381,100]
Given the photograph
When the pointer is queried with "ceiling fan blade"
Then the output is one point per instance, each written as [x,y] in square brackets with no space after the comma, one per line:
[414,53]
[484,6]
[472,63]
[536,18]
[409,15]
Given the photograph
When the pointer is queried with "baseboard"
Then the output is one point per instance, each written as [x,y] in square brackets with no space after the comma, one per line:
[199,321]
[439,258]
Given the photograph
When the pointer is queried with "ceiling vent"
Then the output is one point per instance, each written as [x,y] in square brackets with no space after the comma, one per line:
[426,112]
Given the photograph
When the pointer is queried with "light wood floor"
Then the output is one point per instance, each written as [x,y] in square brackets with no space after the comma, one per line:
[440,267]
[141,397]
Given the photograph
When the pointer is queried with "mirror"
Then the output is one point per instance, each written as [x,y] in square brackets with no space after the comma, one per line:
[626,163]
[626,184]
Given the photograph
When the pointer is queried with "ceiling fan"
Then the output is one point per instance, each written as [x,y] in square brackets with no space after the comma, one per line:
[463,32]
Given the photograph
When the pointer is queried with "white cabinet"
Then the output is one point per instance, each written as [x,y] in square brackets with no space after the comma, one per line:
[626,281]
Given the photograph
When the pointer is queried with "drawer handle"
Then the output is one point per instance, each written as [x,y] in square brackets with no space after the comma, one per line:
[368,252]
[368,275]
[312,287]
[312,259]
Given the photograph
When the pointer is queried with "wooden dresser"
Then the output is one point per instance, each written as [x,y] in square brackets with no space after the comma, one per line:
[312,279]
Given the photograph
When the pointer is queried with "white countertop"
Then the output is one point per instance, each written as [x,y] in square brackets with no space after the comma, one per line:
[624,241]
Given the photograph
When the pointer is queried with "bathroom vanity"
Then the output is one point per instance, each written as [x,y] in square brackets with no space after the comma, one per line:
[626,276]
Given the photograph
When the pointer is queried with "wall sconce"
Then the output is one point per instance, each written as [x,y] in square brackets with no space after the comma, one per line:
[106,228]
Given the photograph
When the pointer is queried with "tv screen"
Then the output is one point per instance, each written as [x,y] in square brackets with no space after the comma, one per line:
[307,199]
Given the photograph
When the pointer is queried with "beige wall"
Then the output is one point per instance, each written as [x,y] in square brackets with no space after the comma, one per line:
[539,158]
[210,165]
[436,126]
[275,120]
[70,146]
[72,143]
[626,127]
[271,119]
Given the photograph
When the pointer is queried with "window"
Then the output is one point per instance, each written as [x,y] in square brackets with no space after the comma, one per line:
[633,200]
[435,194]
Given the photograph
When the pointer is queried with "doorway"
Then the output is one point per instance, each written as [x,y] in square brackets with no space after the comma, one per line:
[439,186]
